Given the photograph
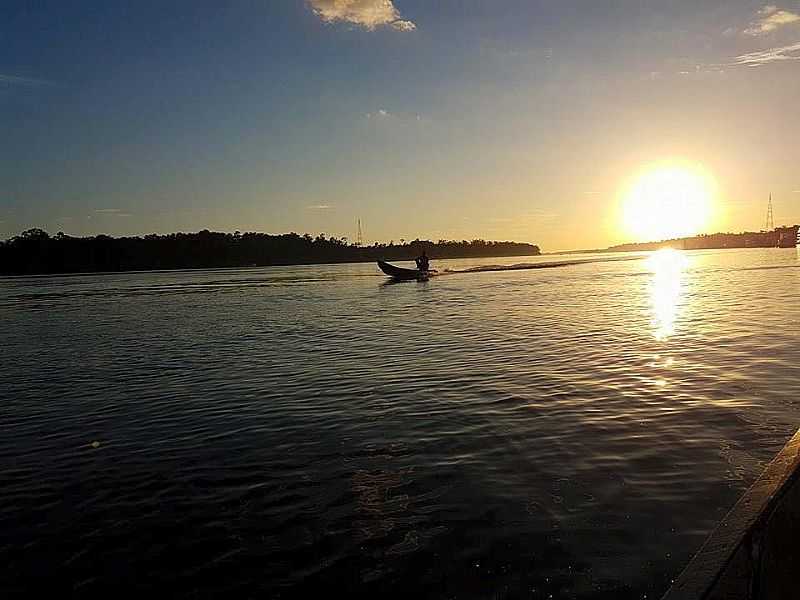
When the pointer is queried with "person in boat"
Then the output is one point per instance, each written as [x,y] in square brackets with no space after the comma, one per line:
[423,264]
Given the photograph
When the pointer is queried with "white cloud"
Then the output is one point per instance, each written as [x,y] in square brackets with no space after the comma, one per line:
[763,57]
[403,25]
[369,14]
[381,113]
[320,207]
[385,118]
[769,19]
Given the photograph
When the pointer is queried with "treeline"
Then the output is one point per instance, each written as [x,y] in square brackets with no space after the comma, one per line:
[36,252]
[780,237]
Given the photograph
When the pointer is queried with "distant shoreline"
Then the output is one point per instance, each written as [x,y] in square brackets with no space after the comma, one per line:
[780,237]
[35,252]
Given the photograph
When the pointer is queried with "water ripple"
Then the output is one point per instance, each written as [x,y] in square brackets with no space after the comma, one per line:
[501,431]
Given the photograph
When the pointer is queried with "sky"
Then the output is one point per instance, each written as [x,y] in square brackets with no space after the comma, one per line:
[515,120]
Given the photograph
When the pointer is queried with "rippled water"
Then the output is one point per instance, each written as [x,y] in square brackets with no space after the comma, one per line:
[571,432]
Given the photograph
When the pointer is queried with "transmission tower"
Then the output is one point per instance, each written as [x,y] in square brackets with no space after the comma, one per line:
[359,237]
[770,219]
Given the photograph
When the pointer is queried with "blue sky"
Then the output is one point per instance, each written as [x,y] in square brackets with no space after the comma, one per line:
[450,119]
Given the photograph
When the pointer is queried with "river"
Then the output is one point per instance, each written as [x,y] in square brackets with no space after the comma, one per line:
[287,432]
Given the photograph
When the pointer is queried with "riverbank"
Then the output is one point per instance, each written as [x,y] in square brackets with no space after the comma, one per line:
[35,252]
[780,237]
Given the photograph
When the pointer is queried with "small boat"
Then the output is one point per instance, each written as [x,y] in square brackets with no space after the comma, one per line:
[401,273]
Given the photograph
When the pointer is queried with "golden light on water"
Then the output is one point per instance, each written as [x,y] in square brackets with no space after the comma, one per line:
[668,200]
[666,290]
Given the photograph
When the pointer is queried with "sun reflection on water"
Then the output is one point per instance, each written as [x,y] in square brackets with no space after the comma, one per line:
[666,290]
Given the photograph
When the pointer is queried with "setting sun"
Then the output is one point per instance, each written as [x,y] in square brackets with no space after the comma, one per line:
[668,200]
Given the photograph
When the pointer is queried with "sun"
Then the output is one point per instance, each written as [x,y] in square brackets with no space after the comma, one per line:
[668,200]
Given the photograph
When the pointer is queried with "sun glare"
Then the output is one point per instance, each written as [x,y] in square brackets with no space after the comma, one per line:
[668,200]
[666,290]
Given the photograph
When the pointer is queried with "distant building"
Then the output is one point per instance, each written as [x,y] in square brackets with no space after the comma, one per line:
[780,237]
[787,236]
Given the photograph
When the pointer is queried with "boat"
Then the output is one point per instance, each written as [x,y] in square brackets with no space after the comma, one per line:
[401,273]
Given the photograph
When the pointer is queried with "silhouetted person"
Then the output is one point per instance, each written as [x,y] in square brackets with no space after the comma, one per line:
[423,264]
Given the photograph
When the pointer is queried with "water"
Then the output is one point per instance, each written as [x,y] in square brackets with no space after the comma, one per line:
[571,432]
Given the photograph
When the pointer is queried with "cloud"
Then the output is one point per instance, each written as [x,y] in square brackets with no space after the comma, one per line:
[539,214]
[9,80]
[395,118]
[320,207]
[381,113]
[368,14]
[769,19]
[112,212]
[763,57]
[402,25]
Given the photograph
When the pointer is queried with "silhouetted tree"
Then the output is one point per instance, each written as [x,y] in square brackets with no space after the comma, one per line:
[34,251]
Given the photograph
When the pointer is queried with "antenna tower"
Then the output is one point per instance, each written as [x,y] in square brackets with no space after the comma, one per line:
[359,237]
[770,219]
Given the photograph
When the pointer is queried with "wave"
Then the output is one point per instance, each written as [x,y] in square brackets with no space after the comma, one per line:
[542,265]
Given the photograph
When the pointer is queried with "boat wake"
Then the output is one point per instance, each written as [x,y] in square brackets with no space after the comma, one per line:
[541,265]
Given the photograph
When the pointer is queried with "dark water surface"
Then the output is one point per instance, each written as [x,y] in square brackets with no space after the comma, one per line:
[571,432]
